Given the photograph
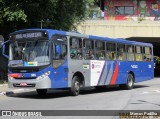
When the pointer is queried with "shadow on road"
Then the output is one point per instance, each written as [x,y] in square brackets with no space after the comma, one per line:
[65,93]
[140,86]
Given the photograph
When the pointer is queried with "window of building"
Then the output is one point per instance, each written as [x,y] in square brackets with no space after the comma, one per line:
[100,50]
[76,48]
[110,51]
[88,46]
[124,10]
[121,54]
[138,53]
[147,53]
[130,52]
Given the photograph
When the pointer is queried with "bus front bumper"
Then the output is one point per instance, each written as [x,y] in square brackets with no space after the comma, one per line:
[30,83]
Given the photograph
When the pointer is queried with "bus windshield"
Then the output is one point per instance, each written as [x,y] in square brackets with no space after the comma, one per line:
[29,53]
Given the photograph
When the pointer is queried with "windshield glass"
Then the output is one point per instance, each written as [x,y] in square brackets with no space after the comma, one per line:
[29,53]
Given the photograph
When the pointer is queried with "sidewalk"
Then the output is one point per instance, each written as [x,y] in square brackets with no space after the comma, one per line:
[4,90]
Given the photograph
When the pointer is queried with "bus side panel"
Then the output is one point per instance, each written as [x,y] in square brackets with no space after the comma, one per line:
[79,66]
[106,72]
[122,72]
[142,71]
[59,77]
[146,72]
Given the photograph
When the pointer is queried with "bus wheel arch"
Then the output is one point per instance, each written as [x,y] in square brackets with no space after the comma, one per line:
[132,75]
[77,82]
[81,78]
[130,79]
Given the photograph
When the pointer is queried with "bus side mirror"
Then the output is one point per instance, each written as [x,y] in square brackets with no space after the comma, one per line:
[4,48]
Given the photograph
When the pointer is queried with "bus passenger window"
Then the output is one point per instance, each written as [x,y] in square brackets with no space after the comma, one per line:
[111,51]
[100,50]
[121,55]
[138,53]
[88,46]
[130,53]
[147,54]
[76,48]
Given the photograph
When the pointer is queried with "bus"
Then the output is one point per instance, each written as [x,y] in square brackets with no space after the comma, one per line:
[45,59]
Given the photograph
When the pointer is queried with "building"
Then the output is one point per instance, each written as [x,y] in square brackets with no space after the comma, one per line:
[137,20]
[131,9]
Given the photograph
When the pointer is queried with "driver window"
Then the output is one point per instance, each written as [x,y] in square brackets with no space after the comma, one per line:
[59,50]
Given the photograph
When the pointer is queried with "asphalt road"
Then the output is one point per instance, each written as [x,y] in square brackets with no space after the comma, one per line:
[144,96]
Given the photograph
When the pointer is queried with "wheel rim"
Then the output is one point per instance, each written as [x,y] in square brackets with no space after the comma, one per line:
[130,81]
[76,85]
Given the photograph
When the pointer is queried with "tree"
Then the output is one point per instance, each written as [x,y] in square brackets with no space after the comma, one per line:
[10,14]
[55,14]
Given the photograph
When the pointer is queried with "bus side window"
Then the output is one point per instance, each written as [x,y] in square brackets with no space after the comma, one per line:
[76,48]
[130,52]
[147,54]
[100,50]
[110,51]
[121,55]
[138,53]
[88,46]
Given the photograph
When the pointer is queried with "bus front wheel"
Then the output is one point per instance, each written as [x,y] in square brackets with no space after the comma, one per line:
[42,91]
[75,88]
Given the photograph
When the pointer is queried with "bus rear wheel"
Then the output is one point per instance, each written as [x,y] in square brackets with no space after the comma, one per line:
[42,91]
[75,88]
[130,82]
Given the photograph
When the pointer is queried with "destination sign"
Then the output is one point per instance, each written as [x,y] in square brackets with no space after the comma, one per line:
[29,35]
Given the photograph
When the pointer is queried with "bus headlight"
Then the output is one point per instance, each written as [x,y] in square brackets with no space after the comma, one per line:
[43,75]
[10,77]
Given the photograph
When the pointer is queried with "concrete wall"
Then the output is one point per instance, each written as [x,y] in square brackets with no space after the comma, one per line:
[120,29]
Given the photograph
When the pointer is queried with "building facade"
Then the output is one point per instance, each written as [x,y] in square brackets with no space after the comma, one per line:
[131,10]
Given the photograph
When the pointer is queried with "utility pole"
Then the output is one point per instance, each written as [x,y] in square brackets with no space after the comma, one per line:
[41,23]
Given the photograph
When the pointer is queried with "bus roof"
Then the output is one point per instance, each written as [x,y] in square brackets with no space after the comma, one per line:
[76,34]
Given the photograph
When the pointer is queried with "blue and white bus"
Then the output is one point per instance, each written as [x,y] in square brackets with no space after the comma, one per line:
[50,59]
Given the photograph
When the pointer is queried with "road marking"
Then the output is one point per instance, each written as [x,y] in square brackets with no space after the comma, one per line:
[158,91]
[148,92]
[2,93]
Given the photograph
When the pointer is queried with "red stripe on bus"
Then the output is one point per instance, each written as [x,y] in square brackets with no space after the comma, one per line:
[115,74]
[14,75]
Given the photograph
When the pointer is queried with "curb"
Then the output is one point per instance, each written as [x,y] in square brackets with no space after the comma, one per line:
[2,85]
[12,92]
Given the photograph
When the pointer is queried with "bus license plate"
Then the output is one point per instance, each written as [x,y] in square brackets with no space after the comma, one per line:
[23,84]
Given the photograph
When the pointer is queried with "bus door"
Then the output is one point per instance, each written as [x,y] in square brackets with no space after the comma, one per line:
[59,62]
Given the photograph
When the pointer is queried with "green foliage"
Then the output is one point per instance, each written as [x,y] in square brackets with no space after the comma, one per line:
[14,15]
[55,14]
[92,9]
[91,2]
[157,59]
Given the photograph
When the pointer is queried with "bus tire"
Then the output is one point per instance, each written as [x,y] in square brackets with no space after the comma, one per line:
[75,88]
[130,82]
[42,91]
